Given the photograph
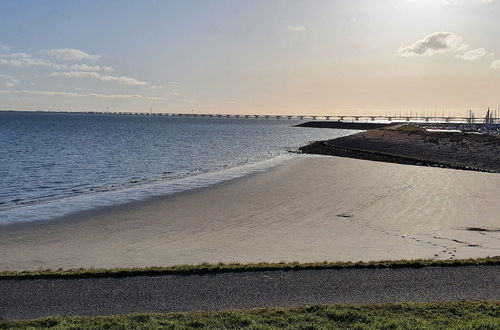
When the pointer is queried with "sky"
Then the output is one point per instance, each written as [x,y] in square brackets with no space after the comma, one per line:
[310,57]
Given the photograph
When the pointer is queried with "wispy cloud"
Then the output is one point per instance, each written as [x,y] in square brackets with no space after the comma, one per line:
[474,54]
[156,98]
[296,28]
[17,55]
[174,93]
[495,64]
[9,81]
[435,43]
[24,60]
[71,54]
[12,83]
[79,70]
[85,67]
[117,96]
[73,94]
[95,75]
[70,70]
[4,48]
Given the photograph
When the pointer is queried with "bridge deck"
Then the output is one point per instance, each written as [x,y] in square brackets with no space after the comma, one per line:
[340,118]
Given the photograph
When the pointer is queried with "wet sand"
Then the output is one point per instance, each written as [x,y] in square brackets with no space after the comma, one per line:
[313,208]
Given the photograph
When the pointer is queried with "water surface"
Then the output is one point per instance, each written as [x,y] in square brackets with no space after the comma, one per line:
[57,163]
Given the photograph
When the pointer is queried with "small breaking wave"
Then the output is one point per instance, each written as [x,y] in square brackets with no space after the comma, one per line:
[81,201]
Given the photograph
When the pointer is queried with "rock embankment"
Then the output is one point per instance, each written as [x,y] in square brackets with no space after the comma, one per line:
[407,144]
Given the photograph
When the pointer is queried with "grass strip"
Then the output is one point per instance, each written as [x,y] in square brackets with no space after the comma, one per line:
[206,268]
[458,315]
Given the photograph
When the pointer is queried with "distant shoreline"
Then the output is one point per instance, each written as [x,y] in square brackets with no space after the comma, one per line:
[412,145]
[343,125]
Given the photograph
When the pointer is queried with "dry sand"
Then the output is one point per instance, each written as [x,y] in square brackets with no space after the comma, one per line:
[311,209]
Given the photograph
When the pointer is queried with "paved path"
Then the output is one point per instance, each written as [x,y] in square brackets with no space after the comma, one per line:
[103,296]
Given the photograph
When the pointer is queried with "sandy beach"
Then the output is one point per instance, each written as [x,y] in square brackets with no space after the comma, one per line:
[313,208]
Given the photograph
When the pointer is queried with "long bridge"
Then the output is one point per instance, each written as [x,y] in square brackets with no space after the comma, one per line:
[339,118]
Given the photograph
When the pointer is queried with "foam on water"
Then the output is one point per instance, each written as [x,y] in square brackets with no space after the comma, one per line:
[68,205]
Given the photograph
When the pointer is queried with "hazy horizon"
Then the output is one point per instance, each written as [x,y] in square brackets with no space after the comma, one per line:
[251,57]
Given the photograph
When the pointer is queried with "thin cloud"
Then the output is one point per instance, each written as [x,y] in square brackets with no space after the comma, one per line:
[474,54]
[435,43]
[495,64]
[24,60]
[72,94]
[9,81]
[156,98]
[296,28]
[124,80]
[4,48]
[76,74]
[116,96]
[95,75]
[71,54]
[49,93]
[85,67]
[17,55]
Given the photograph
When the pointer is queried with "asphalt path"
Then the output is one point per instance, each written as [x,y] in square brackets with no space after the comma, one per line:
[32,298]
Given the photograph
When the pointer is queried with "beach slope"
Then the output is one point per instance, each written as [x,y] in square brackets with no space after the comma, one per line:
[313,208]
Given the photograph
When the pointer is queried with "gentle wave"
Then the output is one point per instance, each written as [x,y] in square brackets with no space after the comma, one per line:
[61,207]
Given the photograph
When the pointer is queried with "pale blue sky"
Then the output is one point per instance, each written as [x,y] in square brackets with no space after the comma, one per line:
[322,57]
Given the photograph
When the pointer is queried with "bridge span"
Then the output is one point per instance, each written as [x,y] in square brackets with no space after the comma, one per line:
[339,118]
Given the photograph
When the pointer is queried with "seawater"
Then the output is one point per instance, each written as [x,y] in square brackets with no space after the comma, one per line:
[53,164]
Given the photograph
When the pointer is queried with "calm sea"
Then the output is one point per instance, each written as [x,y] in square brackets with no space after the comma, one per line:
[53,164]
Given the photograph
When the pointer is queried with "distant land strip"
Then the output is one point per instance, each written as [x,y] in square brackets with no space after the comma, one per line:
[343,125]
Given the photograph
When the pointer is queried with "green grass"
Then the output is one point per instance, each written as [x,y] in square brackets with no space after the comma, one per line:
[460,315]
[224,268]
